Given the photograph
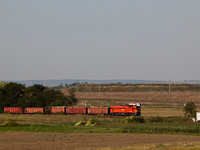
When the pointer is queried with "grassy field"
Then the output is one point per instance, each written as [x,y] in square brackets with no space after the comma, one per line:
[104,124]
[162,110]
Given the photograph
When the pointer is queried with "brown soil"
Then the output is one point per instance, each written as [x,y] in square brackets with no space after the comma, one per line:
[68,141]
[143,97]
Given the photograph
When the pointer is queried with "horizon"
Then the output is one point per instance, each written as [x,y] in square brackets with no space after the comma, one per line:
[72,81]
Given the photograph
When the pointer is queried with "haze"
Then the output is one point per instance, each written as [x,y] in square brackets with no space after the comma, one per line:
[100,39]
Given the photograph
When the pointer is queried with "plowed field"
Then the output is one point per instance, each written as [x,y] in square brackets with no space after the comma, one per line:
[173,98]
[70,141]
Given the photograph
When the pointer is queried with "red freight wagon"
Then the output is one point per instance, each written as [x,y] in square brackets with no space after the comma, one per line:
[55,110]
[70,110]
[14,110]
[98,110]
[32,110]
[125,110]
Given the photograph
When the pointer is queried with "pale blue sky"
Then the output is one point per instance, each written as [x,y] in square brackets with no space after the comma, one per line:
[100,39]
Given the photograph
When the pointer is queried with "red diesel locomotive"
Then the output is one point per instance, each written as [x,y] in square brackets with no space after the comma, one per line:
[131,109]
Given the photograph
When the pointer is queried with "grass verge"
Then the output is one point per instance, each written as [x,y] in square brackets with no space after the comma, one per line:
[180,146]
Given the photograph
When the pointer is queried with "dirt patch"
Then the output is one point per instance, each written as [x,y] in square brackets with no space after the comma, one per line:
[69,141]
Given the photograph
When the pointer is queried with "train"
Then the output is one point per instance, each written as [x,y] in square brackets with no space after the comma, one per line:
[117,110]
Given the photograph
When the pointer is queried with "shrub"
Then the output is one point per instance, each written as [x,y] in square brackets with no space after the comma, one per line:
[176,119]
[90,123]
[190,109]
[153,119]
[10,123]
[80,123]
[135,119]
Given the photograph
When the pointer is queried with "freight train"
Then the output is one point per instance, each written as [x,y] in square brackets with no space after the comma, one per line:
[128,110]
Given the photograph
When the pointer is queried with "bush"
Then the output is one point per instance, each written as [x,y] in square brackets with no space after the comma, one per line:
[89,123]
[155,119]
[10,123]
[80,123]
[176,119]
[190,109]
[135,119]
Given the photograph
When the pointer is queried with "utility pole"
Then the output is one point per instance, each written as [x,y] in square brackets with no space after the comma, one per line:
[169,86]
[99,87]
[77,86]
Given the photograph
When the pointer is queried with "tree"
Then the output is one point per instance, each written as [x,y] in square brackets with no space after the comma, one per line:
[11,95]
[33,96]
[57,98]
[190,108]
[2,84]
[71,99]
[17,95]
[40,96]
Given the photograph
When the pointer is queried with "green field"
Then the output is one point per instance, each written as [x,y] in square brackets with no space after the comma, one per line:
[104,124]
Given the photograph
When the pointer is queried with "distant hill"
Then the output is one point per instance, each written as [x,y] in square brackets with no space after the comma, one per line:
[71,81]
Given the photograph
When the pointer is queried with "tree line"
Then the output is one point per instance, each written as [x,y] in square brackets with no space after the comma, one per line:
[17,95]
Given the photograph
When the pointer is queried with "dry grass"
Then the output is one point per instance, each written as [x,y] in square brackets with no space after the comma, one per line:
[173,98]
[163,111]
[44,119]
[180,146]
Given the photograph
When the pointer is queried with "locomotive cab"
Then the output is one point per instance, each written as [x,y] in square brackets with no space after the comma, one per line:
[136,108]
[137,111]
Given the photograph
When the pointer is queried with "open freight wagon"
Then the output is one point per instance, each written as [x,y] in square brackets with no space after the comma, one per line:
[13,110]
[74,110]
[98,110]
